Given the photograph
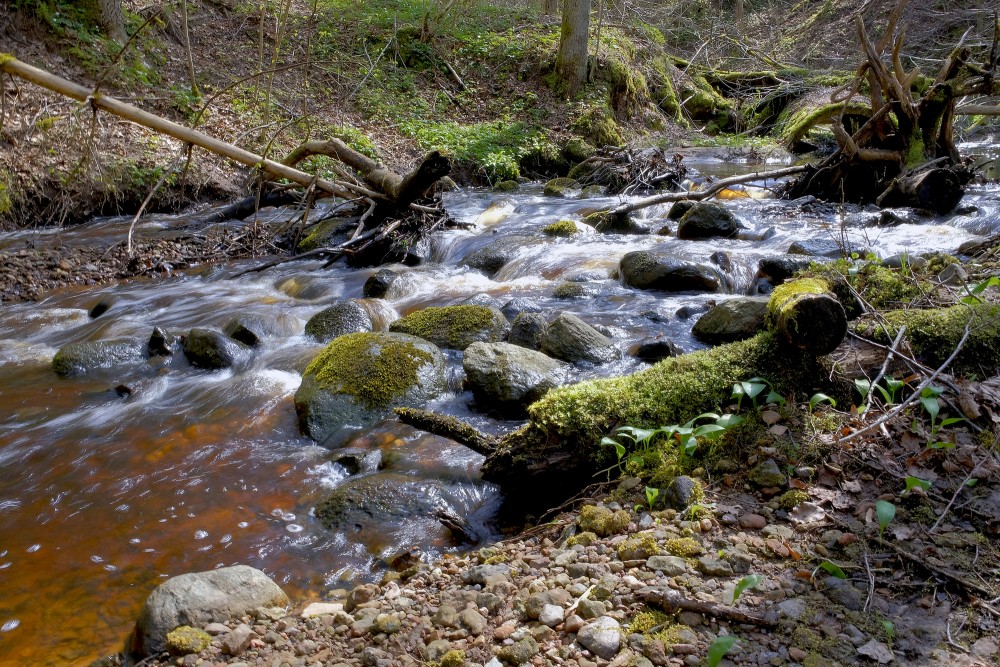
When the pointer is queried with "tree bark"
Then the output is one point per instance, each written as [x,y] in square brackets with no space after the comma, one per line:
[808,316]
[549,7]
[937,190]
[113,19]
[571,62]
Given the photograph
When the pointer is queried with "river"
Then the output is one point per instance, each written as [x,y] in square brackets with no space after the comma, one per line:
[104,493]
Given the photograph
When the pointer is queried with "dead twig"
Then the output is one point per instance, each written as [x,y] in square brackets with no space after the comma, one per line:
[673,601]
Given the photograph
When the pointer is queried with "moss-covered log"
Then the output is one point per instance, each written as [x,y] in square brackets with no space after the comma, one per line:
[934,334]
[807,315]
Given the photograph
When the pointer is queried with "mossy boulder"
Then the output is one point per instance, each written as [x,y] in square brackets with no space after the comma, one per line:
[706,220]
[359,377]
[206,348]
[253,329]
[608,223]
[645,270]
[560,187]
[341,318]
[561,228]
[185,640]
[305,287]
[731,320]
[506,186]
[454,327]
[571,339]
[678,209]
[577,150]
[89,356]
[568,290]
[508,377]
[602,521]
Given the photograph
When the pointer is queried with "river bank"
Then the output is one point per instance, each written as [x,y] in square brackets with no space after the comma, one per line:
[582,590]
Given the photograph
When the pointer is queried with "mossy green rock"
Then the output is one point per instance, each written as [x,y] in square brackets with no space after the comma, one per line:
[766,474]
[210,349]
[359,377]
[520,652]
[455,327]
[568,290]
[563,228]
[88,356]
[603,522]
[731,320]
[577,150]
[506,186]
[339,319]
[185,640]
[560,187]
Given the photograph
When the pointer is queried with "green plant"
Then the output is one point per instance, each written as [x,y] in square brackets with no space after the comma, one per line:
[749,581]
[890,631]
[718,649]
[819,397]
[885,512]
[686,436]
[830,568]
[753,388]
[972,296]
[929,399]
[916,483]
[652,493]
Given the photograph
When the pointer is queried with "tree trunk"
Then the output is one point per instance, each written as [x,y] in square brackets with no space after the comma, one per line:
[549,7]
[571,62]
[113,19]
[937,190]
[808,316]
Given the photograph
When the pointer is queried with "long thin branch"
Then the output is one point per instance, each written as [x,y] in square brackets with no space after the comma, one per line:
[700,195]
[885,365]
[916,392]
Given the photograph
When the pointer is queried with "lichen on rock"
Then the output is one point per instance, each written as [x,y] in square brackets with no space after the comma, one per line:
[454,327]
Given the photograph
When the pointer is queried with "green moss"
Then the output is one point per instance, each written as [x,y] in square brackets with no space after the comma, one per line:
[586,538]
[558,187]
[453,658]
[647,620]
[627,86]
[375,380]
[577,150]
[454,327]
[934,334]
[602,521]
[506,186]
[568,290]
[6,203]
[685,547]
[784,296]
[185,640]
[795,123]
[640,547]
[792,498]
[884,288]
[564,228]
[597,124]
[321,235]
[663,92]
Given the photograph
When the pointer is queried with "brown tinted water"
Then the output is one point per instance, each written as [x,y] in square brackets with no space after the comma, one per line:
[104,496]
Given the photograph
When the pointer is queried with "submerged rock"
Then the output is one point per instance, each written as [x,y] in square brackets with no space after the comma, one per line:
[731,320]
[571,339]
[91,355]
[454,327]
[378,284]
[341,318]
[560,187]
[252,329]
[198,599]
[206,348]
[644,270]
[369,499]
[359,377]
[509,377]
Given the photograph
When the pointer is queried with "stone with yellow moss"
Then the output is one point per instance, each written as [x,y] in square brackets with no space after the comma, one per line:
[455,327]
[602,521]
[185,640]
[359,377]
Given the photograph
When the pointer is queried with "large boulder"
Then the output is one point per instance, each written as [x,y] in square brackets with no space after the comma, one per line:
[341,318]
[571,339]
[644,270]
[528,330]
[735,319]
[198,599]
[206,348]
[455,327]
[252,329]
[91,355]
[495,255]
[508,377]
[706,220]
[366,499]
[359,377]
[781,268]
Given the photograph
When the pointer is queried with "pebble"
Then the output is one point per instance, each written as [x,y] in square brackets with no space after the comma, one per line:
[752,521]
[602,637]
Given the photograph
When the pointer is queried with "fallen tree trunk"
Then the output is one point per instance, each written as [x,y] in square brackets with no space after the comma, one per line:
[808,316]
[937,190]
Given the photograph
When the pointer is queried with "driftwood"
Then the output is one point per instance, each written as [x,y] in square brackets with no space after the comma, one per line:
[672,601]
[907,133]
[448,427]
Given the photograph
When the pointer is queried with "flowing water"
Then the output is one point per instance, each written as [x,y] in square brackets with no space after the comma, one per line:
[103,495]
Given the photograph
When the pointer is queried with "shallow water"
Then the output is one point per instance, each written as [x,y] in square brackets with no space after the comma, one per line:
[103,496]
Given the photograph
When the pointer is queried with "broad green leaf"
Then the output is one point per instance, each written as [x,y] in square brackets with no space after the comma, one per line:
[749,581]
[951,420]
[931,405]
[754,389]
[886,396]
[652,493]
[776,398]
[941,444]
[971,482]
[886,512]
[864,387]
[710,431]
[932,390]
[729,421]
[819,398]
[719,648]
[833,570]
[637,434]
[704,415]
[916,483]
[890,630]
